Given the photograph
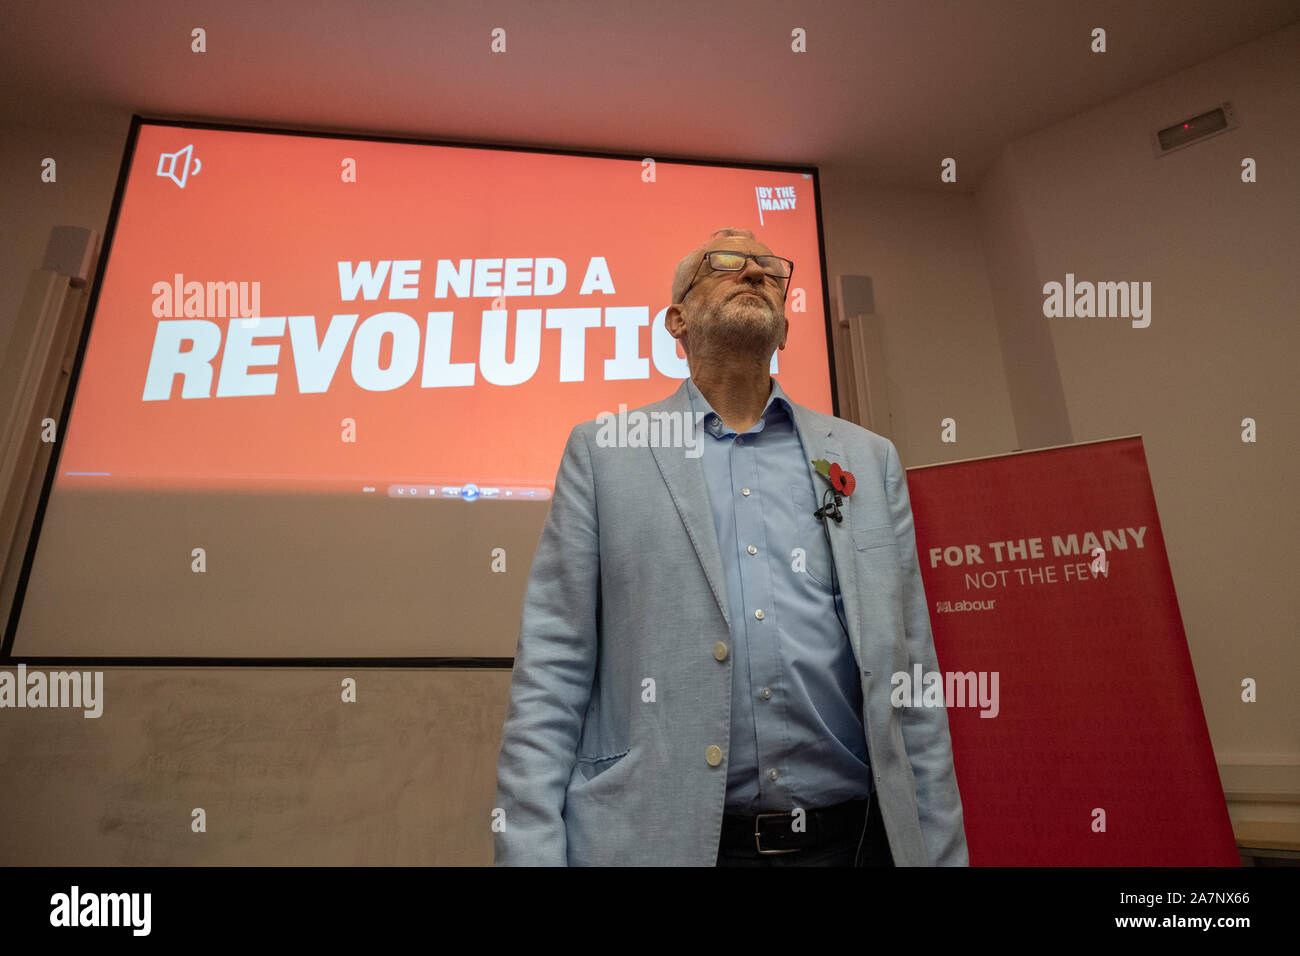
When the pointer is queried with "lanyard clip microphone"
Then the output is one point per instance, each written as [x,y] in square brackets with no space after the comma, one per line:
[831,509]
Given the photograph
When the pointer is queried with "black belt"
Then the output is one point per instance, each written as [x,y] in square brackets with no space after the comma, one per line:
[776,832]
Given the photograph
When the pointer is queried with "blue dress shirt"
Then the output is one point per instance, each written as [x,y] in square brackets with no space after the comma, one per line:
[796,703]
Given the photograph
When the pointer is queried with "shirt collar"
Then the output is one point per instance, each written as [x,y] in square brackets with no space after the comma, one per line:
[777,402]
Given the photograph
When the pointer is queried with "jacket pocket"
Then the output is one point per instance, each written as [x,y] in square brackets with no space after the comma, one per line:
[867,539]
[592,767]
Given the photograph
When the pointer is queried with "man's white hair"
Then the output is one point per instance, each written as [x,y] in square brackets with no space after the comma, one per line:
[687,267]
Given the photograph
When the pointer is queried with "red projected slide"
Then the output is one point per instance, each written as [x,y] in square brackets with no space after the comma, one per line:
[285,312]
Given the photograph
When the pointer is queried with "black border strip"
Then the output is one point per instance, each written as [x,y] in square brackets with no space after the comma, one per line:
[137,120]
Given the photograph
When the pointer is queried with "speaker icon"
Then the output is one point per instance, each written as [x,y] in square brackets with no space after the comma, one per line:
[167,163]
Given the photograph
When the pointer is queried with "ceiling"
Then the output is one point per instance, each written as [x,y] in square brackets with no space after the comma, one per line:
[883,92]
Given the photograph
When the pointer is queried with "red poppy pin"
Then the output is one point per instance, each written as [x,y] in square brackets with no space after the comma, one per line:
[841,480]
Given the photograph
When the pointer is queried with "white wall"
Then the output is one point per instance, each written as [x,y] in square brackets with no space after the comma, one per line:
[935,312]
[87,164]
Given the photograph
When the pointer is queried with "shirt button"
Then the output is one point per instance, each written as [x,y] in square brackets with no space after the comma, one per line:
[720,651]
[759,614]
[771,775]
[745,492]
[767,693]
[713,755]
[740,441]
[752,550]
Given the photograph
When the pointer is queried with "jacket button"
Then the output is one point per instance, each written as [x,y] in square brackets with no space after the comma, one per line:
[720,651]
[713,755]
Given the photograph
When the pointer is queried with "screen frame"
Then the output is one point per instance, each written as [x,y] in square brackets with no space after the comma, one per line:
[138,120]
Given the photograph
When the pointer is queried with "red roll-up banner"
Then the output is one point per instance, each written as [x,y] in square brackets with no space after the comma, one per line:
[1077,730]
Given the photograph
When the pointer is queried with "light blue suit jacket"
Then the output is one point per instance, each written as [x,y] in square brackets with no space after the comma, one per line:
[617,695]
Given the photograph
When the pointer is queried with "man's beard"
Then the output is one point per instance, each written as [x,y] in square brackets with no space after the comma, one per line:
[736,326]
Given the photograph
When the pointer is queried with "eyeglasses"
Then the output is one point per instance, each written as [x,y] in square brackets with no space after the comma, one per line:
[727,260]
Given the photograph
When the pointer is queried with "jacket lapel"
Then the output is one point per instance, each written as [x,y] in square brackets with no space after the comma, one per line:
[685,479]
[820,441]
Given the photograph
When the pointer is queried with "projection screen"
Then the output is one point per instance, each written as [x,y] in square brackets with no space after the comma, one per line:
[326,382]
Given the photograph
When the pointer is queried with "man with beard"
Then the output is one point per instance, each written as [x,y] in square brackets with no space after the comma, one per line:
[704,660]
